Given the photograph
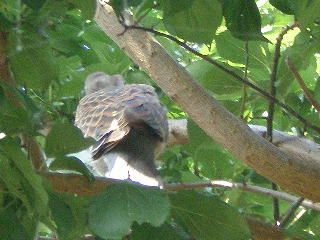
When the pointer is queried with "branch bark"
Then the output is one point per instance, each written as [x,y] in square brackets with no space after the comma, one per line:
[77,184]
[292,173]
[298,146]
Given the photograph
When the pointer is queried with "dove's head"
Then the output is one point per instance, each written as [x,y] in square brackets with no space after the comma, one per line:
[99,80]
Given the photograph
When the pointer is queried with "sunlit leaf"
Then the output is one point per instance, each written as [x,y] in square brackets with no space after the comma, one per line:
[195,212]
[112,212]
[192,20]
[64,139]
[243,19]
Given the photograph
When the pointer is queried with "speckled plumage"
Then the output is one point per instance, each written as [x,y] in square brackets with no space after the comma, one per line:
[110,114]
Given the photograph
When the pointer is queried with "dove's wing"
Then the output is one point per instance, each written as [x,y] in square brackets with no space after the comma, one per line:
[108,116]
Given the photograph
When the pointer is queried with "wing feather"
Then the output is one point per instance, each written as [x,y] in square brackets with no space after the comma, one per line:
[107,116]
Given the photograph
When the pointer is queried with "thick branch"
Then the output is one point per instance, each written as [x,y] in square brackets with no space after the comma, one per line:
[298,146]
[291,173]
[231,73]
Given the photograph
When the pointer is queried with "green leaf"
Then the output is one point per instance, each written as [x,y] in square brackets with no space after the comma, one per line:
[306,12]
[119,6]
[234,50]
[285,6]
[216,80]
[11,10]
[71,163]
[212,161]
[301,54]
[196,135]
[32,182]
[107,51]
[195,212]
[5,24]
[112,212]
[147,232]
[87,7]
[62,216]
[243,19]
[13,180]
[32,61]
[14,119]
[317,90]
[139,77]
[192,20]
[64,138]
[8,217]
[34,4]
[300,227]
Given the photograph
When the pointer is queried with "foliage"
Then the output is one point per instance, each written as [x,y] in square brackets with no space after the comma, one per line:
[53,44]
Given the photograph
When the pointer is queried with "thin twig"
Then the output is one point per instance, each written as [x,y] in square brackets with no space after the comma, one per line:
[276,206]
[230,72]
[77,184]
[303,86]
[244,88]
[288,215]
[273,79]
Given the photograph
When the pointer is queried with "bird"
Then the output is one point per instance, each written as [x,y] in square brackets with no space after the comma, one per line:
[129,125]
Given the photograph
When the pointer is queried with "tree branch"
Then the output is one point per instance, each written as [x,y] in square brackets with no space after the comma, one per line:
[300,81]
[273,79]
[228,71]
[78,184]
[293,173]
[288,215]
[298,146]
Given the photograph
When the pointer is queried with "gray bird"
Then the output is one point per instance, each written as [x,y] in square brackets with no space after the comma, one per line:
[129,125]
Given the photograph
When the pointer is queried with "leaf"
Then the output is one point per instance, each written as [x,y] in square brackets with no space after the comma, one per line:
[215,79]
[301,227]
[12,180]
[71,163]
[196,135]
[10,10]
[317,91]
[34,4]
[285,6]
[195,212]
[147,232]
[87,8]
[64,138]
[112,212]
[243,19]
[301,54]
[107,51]
[62,216]
[32,182]
[14,119]
[306,12]
[7,230]
[234,50]
[192,20]
[32,61]
[120,6]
